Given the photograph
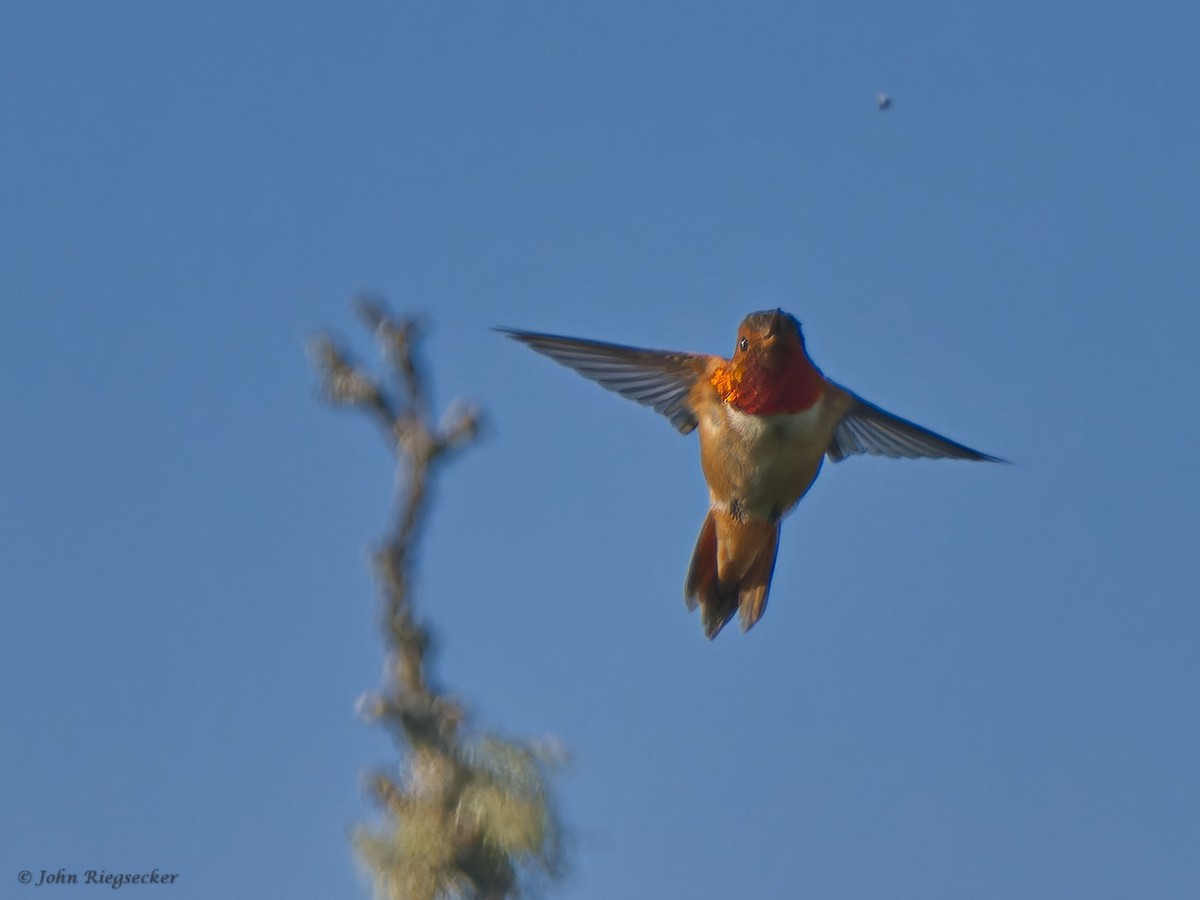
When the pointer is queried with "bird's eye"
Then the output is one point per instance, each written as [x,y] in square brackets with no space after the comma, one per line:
[743,345]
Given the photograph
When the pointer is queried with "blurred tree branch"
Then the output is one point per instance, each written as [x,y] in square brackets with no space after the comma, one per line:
[465,817]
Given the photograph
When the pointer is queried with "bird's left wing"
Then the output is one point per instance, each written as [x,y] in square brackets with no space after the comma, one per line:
[658,378]
[865,428]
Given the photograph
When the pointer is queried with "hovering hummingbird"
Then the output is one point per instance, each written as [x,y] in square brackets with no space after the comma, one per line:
[767,420]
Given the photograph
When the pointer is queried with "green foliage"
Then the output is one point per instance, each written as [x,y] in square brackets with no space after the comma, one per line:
[482,826]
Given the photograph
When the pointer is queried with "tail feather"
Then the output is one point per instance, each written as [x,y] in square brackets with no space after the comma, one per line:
[746,551]
[702,574]
[703,587]
[756,583]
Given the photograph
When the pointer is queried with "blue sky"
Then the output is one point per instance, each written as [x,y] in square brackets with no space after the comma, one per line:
[970,681]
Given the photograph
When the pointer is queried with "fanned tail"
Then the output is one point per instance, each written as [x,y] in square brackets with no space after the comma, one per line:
[744,552]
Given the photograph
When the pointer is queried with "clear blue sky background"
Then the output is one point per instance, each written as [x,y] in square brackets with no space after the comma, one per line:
[971,680]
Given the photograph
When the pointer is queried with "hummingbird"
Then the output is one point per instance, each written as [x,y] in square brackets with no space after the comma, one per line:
[768,418]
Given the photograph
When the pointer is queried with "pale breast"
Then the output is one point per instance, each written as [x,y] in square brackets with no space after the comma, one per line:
[760,466]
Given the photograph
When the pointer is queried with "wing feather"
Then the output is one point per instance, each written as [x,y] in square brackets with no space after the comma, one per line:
[659,379]
[865,428]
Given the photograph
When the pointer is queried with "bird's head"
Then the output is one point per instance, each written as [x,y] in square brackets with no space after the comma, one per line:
[770,371]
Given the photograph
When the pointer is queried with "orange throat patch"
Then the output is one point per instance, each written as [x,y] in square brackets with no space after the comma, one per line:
[760,392]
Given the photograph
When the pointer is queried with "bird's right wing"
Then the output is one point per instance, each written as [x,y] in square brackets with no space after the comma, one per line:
[657,378]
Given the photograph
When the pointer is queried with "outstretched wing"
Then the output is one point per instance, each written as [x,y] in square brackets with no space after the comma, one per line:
[657,378]
[865,428]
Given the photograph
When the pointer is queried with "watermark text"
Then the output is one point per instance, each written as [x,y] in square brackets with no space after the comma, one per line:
[94,876]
